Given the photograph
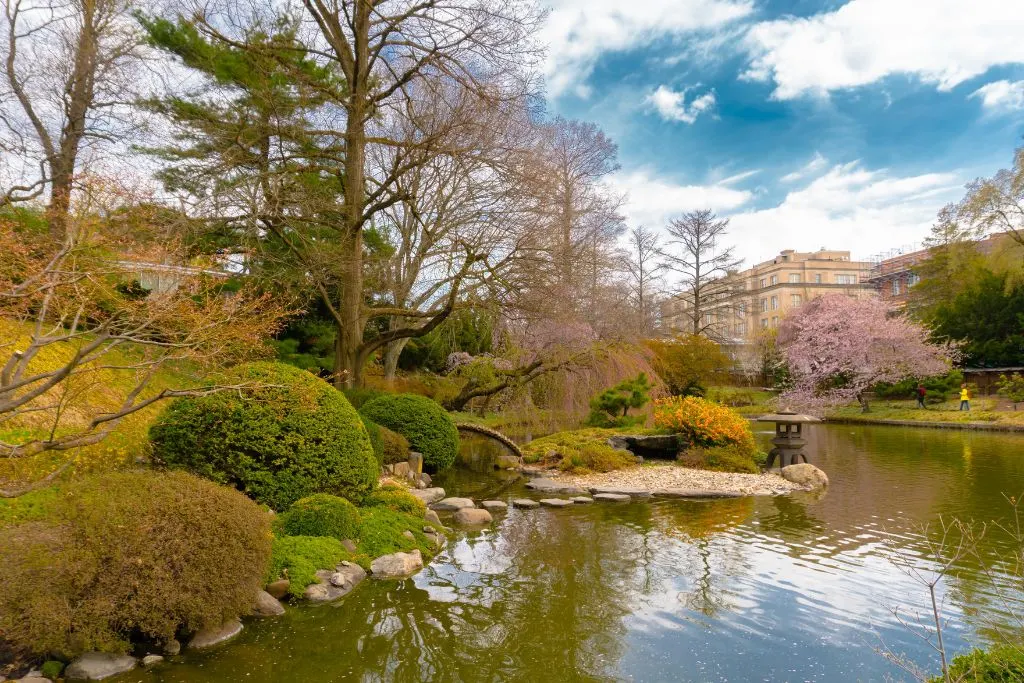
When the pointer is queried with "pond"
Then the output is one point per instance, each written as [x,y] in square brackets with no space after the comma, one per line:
[788,588]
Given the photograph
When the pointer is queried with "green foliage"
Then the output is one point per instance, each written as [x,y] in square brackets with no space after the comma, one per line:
[320,515]
[126,554]
[299,557]
[308,343]
[1004,664]
[429,429]
[940,387]
[731,458]
[358,396]
[396,498]
[578,451]
[470,330]
[1012,387]
[286,436]
[382,532]
[389,447]
[611,407]
[689,363]
[52,669]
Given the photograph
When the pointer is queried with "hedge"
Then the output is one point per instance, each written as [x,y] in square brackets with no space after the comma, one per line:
[429,429]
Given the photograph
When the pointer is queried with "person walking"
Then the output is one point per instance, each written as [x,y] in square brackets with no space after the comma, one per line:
[965,398]
[921,393]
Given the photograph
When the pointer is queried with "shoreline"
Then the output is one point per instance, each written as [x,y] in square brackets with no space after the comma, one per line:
[976,426]
[675,481]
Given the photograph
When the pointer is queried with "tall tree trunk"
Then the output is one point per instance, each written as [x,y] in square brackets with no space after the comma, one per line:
[391,354]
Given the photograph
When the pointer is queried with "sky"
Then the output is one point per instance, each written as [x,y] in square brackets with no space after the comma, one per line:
[844,124]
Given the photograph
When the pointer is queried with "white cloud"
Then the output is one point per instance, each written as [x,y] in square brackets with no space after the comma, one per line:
[578,31]
[1001,95]
[672,106]
[654,201]
[849,207]
[943,42]
[812,167]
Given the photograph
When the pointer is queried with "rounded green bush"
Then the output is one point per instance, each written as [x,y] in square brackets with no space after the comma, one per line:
[429,429]
[396,498]
[320,515]
[125,554]
[388,446]
[286,436]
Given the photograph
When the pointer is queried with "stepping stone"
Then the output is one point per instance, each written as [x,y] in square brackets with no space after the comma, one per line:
[582,500]
[430,495]
[494,505]
[550,486]
[473,517]
[555,502]
[452,504]
[696,493]
[525,503]
[612,497]
[632,493]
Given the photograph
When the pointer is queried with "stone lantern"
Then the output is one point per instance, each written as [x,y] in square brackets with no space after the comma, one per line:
[789,441]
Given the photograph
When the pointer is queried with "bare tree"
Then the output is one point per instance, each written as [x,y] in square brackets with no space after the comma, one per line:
[644,269]
[695,252]
[66,77]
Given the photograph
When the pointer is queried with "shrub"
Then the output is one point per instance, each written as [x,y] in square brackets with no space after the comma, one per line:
[429,429]
[382,532]
[396,498]
[1003,664]
[299,558]
[611,407]
[130,553]
[276,443]
[703,423]
[388,446]
[320,515]
[578,451]
[730,458]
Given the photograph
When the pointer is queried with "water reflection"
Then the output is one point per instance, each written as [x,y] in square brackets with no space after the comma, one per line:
[786,588]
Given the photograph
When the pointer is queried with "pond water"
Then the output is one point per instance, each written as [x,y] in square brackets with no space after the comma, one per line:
[788,588]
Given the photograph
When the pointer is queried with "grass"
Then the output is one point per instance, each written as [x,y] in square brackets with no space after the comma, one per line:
[982,410]
[744,400]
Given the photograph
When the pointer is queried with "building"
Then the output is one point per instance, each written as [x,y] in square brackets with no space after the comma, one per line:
[745,304]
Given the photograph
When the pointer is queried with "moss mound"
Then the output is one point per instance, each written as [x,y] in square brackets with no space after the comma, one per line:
[320,515]
[125,554]
[429,429]
[396,498]
[578,451]
[289,435]
[299,557]
[733,458]
[389,447]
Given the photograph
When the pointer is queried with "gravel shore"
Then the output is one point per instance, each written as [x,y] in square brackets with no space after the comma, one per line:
[654,477]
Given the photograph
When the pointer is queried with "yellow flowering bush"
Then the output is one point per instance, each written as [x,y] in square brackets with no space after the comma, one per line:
[703,423]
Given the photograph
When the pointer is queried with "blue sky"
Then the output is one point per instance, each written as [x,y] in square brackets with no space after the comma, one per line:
[843,124]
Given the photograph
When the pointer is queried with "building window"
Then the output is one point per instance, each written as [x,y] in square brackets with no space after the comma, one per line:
[775,321]
[913,279]
[895,287]
[843,279]
[773,280]
[742,308]
[764,323]
[709,318]
[775,303]
[794,277]
[796,299]
[762,283]
[817,278]
[764,305]
[741,328]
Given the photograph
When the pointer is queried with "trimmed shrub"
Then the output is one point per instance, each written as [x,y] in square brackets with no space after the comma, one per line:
[1004,664]
[578,451]
[299,558]
[700,422]
[429,429]
[396,498]
[288,436]
[730,458]
[388,446]
[382,532]
[320,515]
[130,553]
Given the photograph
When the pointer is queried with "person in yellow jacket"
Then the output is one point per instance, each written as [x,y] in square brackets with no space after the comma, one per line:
[965,398]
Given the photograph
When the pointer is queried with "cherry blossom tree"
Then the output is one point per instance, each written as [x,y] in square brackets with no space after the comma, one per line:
[837,347]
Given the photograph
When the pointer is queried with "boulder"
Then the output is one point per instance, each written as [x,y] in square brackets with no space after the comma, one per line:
[400,469]
[397,565]
[556,502]
[425,479]
[473,517]
[214,635]
[550,486]
[432,517]
[452,504]
[436,539]
[665,446]
[696,493]
[429,495]
[505,462]
[350,545]
[267,606]
[95,666]
[172,647]
[632,493]
[495,505]
[151,660]
[335,584]
[410,535]
[612,497]
[582,500]
[278,589]
[806,475]
[525,503]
